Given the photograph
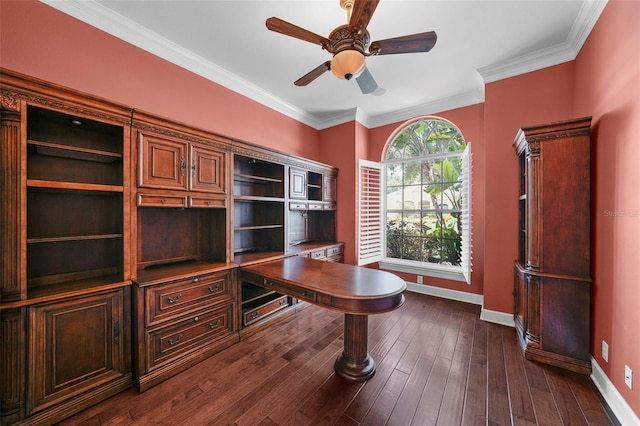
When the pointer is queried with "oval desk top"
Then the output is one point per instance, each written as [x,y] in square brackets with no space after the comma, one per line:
[347,288]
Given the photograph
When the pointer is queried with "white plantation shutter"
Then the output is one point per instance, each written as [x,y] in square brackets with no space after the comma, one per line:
[369,212]
[465,255]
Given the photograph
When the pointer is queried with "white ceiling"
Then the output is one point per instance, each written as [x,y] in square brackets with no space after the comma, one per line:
[226,41]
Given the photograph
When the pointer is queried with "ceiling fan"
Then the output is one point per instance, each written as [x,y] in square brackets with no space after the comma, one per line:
[350,44]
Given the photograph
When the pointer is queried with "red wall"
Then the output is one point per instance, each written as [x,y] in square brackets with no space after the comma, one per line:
[40,41]
[607,87]
[338,148]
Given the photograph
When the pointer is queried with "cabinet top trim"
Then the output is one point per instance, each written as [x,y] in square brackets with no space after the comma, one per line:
[16,87]
[550,131]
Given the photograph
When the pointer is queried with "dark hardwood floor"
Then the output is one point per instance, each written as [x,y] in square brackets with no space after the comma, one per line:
[437,363]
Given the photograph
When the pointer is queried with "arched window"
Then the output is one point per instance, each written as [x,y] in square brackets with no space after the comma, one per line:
[425,201]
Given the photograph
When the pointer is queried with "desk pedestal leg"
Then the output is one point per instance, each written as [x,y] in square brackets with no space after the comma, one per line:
[355,364]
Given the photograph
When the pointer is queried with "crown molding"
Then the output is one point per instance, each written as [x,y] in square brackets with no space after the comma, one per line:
[554,55]
[460,100]
[103,18]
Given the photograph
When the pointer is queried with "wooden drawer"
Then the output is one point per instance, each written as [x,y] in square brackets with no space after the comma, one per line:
[165,301]
[334,250]
[207,202]
[329,206]
[318,254]
[297,206]
[187,334]
[152,200]
[270,306]
[308,295]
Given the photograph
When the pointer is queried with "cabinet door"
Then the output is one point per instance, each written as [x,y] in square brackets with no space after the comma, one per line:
[76,346]
[297,183]
[163,162]
[207,170]
[519,301]
[12,363]
[329,188]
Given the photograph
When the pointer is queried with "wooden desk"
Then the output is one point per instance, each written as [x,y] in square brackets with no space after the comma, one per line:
[355,291]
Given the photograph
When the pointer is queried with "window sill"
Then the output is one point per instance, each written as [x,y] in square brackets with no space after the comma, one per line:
[453,273]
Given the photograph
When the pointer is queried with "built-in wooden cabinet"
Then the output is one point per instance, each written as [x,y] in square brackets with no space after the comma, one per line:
[258,205]
[167,163]
[184,290]
[66,241]
[297,183]
[74,195]
[182,317]
[77,345]
[124,234]
[329,189]
[552,284]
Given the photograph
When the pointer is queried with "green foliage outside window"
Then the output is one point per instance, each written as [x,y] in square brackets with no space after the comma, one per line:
[424,193]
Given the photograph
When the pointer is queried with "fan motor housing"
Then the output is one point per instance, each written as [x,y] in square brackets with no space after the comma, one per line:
[343,39]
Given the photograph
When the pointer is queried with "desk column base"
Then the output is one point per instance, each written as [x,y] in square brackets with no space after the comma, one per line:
[355,364]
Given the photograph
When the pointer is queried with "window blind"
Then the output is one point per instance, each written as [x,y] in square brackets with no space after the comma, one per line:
[370,229]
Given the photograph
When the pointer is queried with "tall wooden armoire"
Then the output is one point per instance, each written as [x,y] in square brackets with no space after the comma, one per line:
[552,274]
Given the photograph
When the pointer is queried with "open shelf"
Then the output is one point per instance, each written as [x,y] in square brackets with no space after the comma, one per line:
[73,186]
[251,293]
[170,236]
[72,238]
[257,178]
[73,152]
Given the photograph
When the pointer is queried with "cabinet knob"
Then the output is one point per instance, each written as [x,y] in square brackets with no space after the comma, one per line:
[214,289]
[215,324]
[172,300]
[283,302]
[173,342]
[196,319]
[196,279]
[255,315]
[163,201]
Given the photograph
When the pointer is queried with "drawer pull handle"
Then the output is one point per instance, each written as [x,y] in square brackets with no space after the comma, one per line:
[173,342]
[163,201]
[172,301]
[255,315]
[213,325]
[304,293]
[209,202]
[214,289]
[283,302]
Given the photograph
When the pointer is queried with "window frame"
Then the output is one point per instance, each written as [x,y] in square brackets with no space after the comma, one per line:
[461,272]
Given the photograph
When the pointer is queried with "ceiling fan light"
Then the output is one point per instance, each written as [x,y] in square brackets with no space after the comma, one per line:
[347,64]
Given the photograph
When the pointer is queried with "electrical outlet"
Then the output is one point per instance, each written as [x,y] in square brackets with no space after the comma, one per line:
[419,279]
[605,351]
[628,377]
